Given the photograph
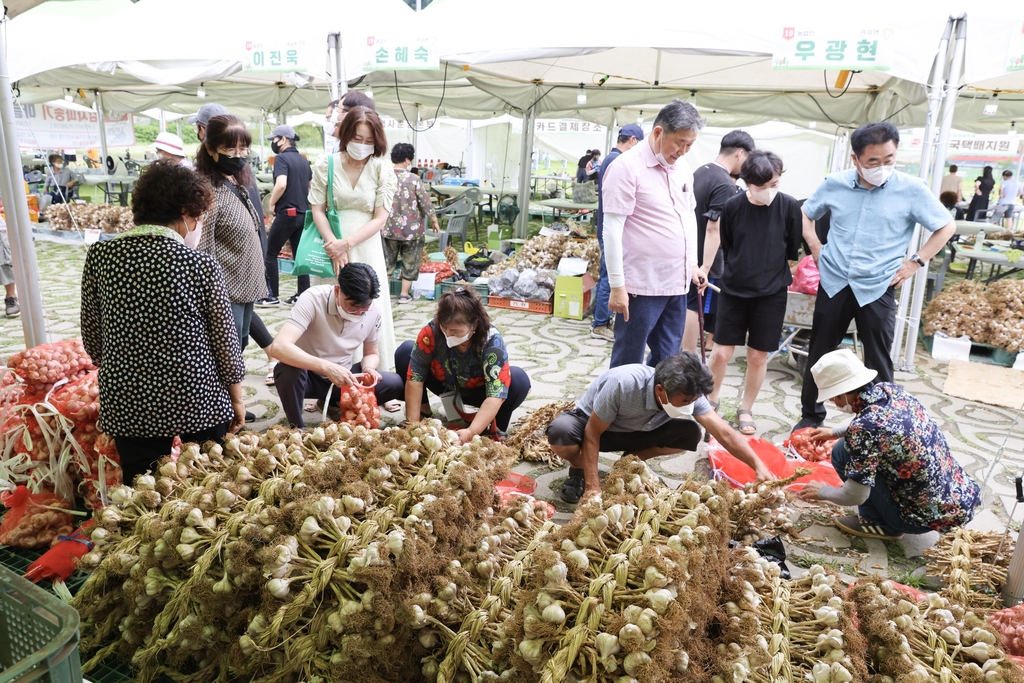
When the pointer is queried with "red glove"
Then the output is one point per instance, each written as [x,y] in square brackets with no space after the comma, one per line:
[58,563]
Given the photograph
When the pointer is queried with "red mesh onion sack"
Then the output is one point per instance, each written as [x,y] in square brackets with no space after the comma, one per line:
[31,521]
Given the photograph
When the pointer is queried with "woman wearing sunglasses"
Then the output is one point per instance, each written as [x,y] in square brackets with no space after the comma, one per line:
[461,357]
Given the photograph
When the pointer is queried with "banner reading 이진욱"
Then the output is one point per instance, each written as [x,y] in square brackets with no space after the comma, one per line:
[46,126]
[839,48]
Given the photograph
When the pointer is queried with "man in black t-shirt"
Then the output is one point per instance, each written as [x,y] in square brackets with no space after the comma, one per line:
[761,230]
[288,204]
[713,185]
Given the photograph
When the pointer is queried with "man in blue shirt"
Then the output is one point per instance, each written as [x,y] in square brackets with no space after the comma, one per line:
[629,136]
[874,210]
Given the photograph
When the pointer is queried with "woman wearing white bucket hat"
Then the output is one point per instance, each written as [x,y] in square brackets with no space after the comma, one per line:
[169,146]
[893,458]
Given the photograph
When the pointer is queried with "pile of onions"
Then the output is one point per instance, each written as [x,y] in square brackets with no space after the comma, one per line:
[1010,624]
[43,366]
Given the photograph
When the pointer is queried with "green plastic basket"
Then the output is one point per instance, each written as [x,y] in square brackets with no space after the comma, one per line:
[38,634]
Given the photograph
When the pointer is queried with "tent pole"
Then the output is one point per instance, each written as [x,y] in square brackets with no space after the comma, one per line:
[525,167]
[939,70]
[102,115]
[263,148]
[178,124]
[163,122]
[19,229]
[952,91]
[416,130]
[332,54]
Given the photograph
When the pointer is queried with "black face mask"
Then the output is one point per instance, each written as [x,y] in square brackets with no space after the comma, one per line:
[230,165]
[275,147]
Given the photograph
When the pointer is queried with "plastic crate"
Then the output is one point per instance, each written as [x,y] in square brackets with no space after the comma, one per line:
[285,265]
[980,353]
[395,287]
[544,307]
[38,634]
[482,292]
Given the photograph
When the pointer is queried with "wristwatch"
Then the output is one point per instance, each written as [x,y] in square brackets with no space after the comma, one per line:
[918,260]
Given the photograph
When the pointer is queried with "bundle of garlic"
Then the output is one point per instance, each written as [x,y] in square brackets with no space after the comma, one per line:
[624,590]
[935,640]
[286,557]
[105,217]
[959,310]
[528,434]
[545,251]
[781,631]
[1006,326]
[973,567]
[759,511]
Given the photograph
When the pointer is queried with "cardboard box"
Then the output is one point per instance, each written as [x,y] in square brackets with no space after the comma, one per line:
[946,348]
[574,296]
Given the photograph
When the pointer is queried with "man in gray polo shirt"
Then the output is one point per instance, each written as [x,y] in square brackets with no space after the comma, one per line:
[315,345]
[642,411]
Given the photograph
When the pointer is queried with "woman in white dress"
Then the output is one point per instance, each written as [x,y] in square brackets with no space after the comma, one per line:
[364,185]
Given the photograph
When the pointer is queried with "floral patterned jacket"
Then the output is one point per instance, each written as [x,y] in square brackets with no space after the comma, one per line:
[431,359]
[411,206]
[893,439]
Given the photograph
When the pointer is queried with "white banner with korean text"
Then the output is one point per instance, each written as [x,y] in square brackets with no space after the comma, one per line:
[48,126]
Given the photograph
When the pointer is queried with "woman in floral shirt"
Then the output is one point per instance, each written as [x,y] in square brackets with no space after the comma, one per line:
[893,458]
[459,351]
[403,234]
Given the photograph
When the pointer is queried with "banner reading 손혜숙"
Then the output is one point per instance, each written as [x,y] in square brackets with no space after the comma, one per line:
[835,48]
[395,53]
[48,126]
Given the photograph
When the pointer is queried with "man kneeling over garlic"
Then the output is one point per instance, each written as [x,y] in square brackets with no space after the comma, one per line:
[642,411]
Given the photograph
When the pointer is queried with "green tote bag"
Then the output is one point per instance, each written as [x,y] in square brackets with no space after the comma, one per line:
[311,258]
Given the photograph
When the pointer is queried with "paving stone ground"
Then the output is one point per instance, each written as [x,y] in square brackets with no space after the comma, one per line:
[562,359]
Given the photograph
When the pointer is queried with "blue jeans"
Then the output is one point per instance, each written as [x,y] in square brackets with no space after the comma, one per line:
[243,318]
[880,508]
[602,290]
[654,321]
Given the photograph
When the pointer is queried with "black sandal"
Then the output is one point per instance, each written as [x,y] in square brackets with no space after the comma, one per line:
[574,486]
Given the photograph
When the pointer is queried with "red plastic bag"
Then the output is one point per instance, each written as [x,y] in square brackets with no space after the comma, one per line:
[59,562]
[31,520]
[806,276]
[800,444]
[738,474]
[358,403]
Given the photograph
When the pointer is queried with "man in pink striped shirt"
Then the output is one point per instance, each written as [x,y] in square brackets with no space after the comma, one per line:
[650,238]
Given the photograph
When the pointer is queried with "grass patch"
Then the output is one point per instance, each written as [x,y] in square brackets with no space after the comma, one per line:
[858,544]
[894,550]
[908,579]
[727,409]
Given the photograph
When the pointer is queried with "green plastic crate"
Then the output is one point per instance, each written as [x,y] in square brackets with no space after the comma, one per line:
[38,634]
[482,291]
[395,287]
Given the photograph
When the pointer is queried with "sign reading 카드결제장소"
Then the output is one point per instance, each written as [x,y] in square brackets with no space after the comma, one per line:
[49,126]
[838,48]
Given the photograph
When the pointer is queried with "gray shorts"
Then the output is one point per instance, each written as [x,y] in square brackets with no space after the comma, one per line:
[6,271]
[567,430]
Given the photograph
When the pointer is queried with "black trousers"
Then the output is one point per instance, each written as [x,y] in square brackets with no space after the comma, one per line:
[295,384]
[875,329]
[283,229]
[518,390]
[138,455]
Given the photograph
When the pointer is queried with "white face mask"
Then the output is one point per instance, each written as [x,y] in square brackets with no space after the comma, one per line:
[846,409]
[659,156]
[676,412]
[358,151]
[765,195]
[193,236]
[455,341]
[877,175]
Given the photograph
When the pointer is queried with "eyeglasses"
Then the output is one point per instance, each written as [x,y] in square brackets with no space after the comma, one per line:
[237,152]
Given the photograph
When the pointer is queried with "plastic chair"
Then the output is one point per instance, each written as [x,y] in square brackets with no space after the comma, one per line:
[458,214]
[474,195]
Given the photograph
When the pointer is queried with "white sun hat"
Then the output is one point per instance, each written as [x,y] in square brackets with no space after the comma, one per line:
[840,372]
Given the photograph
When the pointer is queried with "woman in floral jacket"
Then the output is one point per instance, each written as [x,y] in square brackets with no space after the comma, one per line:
[893,459]
[461,354]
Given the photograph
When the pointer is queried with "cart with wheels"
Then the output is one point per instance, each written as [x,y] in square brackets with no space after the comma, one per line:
[796,329]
